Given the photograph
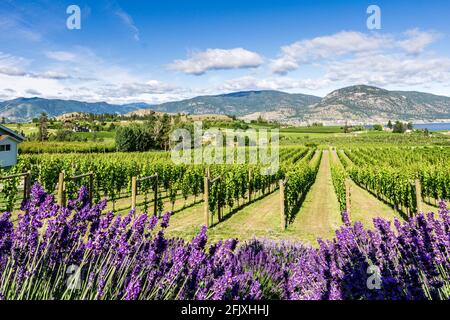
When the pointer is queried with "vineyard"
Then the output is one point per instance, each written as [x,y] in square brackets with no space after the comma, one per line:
[317,190]
[224,152]
[112,177]
[390,174]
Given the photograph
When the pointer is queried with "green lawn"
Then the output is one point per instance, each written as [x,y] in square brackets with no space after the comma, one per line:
[329,129]
[105,135]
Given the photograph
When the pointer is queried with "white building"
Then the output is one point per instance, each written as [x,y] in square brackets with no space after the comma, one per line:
[9,141]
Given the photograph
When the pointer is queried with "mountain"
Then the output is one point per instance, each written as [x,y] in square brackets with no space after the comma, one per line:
[368,104]
[25,109]
[355,104]
[241,103]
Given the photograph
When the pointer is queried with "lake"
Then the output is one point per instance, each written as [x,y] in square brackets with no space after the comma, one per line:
[433,126]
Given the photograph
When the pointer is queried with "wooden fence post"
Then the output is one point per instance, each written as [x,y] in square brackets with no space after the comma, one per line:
[249,185]
[418,195]
[206,201]
[282,213]
[156,195]
[61,189]
[347,197]
[91,187]
[27,186]
[133,192]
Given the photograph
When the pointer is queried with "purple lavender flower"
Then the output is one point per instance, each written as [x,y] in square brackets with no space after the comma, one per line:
[165,220]
[346,218]
[123,260]
[133,289]
[152,223]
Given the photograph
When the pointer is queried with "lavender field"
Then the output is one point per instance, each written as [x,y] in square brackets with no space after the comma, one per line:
[82,252]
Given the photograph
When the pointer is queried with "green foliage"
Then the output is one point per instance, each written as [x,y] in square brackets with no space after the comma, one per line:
[135,138]
[377,127]
[43,131]
[10,187]
[298,180]
[399,127]
[338,175]
[313,129]
[389,173]
[389,124]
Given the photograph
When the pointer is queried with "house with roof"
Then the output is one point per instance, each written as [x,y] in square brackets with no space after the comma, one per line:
[9,141]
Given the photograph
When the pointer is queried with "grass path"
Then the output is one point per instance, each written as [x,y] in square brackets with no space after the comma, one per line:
[186,223]
[260,218]
[124,205]
[319,215]
[365,206]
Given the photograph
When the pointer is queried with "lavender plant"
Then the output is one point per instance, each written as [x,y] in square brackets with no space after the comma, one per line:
[81,252]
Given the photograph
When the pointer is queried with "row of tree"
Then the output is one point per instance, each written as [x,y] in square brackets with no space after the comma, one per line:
[400,127]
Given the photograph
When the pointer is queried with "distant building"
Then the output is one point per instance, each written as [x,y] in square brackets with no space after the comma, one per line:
[8,146]
[81,129]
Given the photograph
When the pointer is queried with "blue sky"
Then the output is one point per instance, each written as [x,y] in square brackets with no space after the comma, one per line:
[156,51]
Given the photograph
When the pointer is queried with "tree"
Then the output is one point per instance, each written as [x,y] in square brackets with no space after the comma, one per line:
[389,125]
[399,127]
[378,127]
[43,124]
[63,135]
[137,137]
[161,131]
[410,126]
[126,139]
[112,126]
[347,129]
[3,120]
[261,120]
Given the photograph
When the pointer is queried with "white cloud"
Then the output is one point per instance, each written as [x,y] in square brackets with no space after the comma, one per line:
[33,92]
[326,47]
[15,26]
[349,58]
[18,67]
[11,65]
[60,55]
[11,71]
[342,44]
[391,70]
[51,75]
[274,83]
[135,89]
[345,58]
[87,77]
[22,85]
[416,41]
[217,59]
[129,22]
